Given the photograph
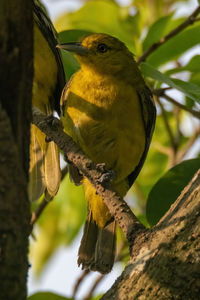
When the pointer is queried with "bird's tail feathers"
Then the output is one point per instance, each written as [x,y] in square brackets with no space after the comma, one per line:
[105,248]
[86,253]
[97,249]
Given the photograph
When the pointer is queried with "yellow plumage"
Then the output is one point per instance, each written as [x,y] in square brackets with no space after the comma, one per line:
[47,86]
[103,113]
[45,71]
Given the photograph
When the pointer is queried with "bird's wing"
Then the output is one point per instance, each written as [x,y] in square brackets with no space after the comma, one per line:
[64,95]
[44,157]
[149,116]
[74,173]
[46,27]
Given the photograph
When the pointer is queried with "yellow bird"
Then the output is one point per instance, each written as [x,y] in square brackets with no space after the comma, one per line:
[109,112]
[48,82]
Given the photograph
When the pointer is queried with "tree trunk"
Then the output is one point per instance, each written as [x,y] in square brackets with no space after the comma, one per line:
[15,114]
[165,262]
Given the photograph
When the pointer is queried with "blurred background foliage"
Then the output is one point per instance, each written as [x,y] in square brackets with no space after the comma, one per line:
[172,71]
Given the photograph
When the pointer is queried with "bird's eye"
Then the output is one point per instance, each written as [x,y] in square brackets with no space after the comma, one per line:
[102,48]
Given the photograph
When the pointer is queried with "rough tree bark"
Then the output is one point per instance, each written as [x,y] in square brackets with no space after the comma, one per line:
[165,262]
[15,115]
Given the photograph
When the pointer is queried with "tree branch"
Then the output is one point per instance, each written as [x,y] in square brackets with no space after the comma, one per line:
[95,284]
[167,126]
[195,113]
[79,281]
[165,263]
[189,21]
[188,145]
[97,174]
[84,274]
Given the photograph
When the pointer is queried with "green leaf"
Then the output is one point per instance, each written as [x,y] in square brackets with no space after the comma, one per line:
[175,46]
[99,16]
[174,23]
[189,89]
[98,297]
[168,188]
[156,31]
[47,296]
[194,78]
[74,35]
[143,220]
[192,66]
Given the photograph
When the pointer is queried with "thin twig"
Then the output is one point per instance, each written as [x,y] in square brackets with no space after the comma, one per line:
[118,257]
[141,197]
[162,149]
[174,146]
[40,208]
[97,174]
[189,144]
[178,135]
[96,282]
[195,113]
[189,21]
[79,281]
[167,126]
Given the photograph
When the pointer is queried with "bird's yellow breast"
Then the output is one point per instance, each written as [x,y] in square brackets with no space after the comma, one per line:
[102,112]
[103,115]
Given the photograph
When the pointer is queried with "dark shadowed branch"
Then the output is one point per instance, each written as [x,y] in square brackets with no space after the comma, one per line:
[195,113]
[161,93]
[79,281]
[95,284]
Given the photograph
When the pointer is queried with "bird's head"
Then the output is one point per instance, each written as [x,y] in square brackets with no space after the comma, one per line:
[102,53]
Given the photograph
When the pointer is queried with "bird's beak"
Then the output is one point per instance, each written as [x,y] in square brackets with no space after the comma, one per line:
[75,47]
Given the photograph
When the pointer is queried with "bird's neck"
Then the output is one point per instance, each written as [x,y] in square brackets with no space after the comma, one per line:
[130,75]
